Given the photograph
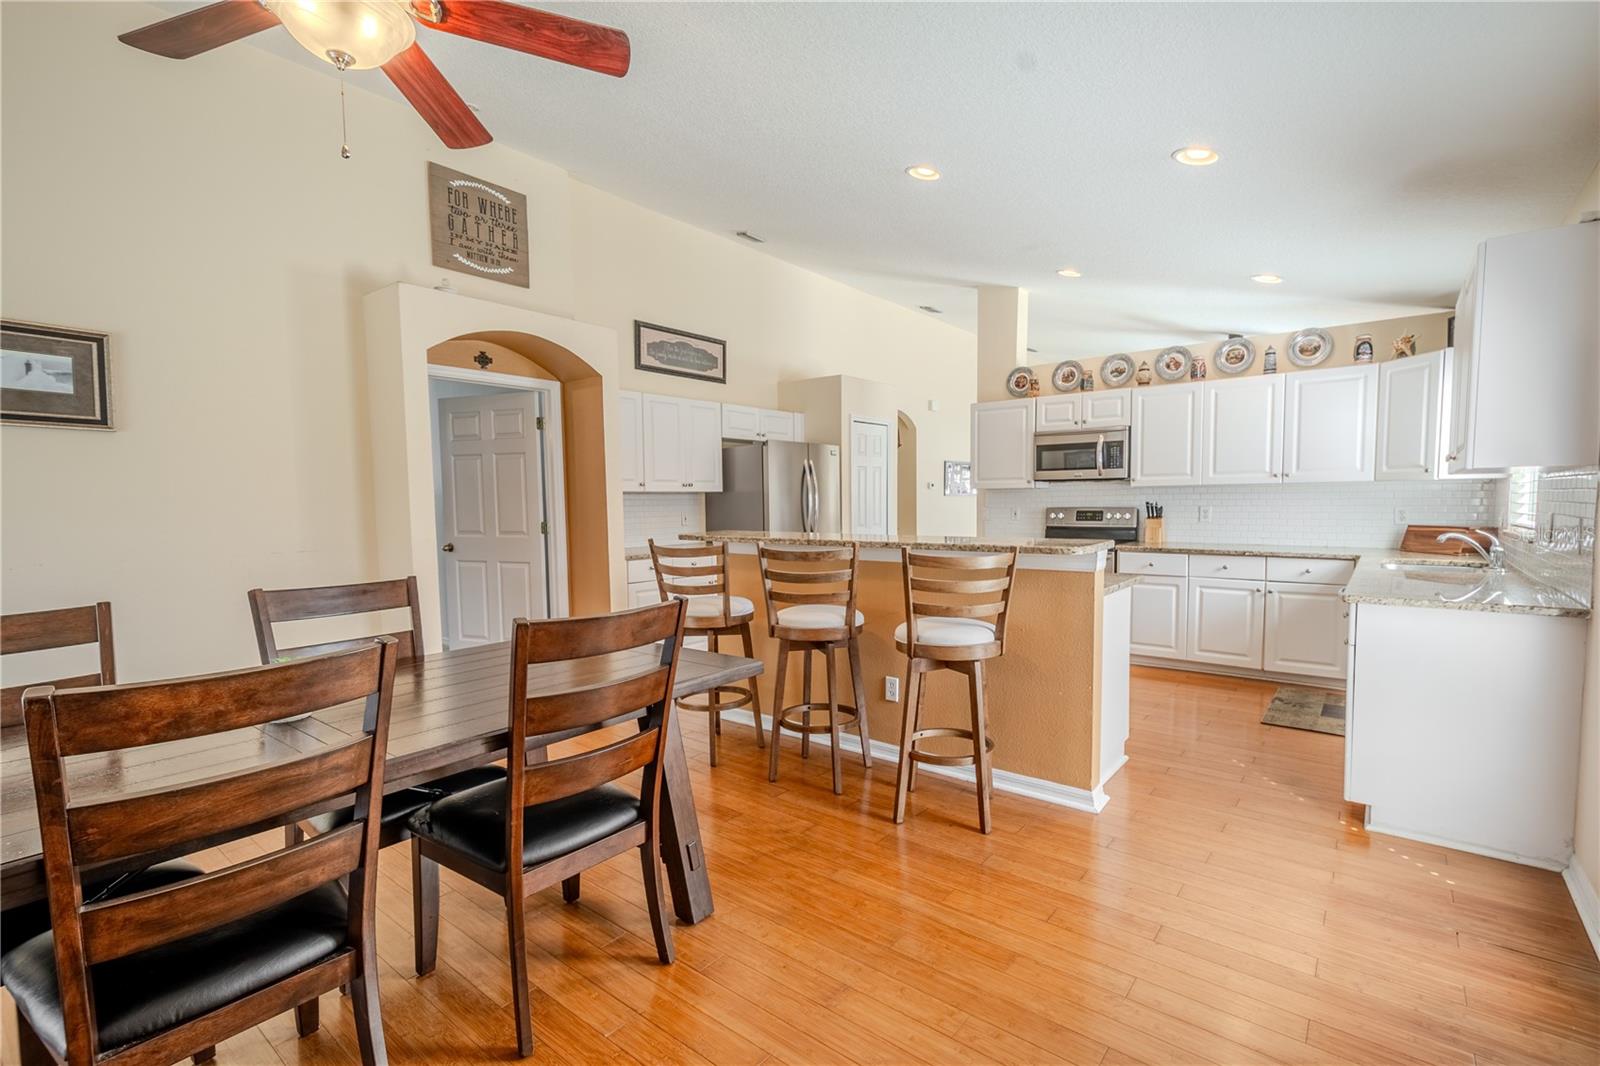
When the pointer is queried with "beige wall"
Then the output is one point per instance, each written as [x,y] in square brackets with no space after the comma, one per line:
[199,212]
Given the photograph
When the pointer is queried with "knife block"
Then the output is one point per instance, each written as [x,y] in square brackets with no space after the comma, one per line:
[1154,533]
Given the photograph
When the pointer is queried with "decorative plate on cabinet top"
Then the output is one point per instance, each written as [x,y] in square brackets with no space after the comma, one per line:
[1021,382]
[1116,370]
[1067,376]
[1173,363]
[1235,355]
[1310,347]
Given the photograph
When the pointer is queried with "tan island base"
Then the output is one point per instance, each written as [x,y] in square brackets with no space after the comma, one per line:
[1043,695]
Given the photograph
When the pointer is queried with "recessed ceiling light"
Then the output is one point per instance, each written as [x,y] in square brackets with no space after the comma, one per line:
[930,309]
[1196,156]
[1068,272]
[923,172]
[1266,279]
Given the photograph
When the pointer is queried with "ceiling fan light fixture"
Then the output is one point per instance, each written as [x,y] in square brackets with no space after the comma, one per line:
[350,34]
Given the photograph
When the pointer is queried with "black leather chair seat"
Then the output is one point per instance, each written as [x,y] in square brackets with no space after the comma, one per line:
[151,991]
[474,823]
[398,807]
[21,924]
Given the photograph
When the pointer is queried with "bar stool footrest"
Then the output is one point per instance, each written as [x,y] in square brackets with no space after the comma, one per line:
[936,759]
[789,718]
[721,698]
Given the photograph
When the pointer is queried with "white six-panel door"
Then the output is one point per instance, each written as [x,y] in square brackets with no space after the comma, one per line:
[1330,424]
[869,477]
[494,541]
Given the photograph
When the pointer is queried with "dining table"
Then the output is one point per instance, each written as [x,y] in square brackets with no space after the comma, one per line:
[450,712]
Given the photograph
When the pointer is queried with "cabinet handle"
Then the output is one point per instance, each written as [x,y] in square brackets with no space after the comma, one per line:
[1224,566]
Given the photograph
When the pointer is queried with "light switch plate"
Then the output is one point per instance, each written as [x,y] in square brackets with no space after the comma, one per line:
[1205,512]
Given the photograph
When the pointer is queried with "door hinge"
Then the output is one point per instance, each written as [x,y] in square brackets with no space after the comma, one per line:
[538,422]
[544,527]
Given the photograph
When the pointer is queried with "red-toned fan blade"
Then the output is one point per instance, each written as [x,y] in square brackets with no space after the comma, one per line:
[193,32]
[538,33]
[435,99]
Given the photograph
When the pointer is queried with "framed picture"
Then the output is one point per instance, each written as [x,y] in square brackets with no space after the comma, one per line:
[661,350]
[477,227]
[54,376]
[958,478]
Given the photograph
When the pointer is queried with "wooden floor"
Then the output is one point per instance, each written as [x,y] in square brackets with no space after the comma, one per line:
[1226,907]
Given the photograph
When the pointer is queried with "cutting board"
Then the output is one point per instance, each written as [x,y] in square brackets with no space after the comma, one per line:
[1425,539]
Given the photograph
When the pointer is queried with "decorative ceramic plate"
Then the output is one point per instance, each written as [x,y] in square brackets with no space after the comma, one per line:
[1235,355]
[1310,347]
[1116,370]
[1067,376]
[1020,382]
[1173,363]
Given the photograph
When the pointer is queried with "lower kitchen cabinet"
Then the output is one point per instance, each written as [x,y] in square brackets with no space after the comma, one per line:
[1159,617]
[1226,617]
[1305,630]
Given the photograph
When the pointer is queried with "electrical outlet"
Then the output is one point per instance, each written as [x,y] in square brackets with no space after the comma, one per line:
[1205,512]
[891,688]
[1400,516]
[683,521]
[1016,513]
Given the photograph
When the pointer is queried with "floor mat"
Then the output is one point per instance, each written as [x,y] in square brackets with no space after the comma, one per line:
[1297,707]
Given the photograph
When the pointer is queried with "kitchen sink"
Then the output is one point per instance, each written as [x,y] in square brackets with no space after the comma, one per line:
[1431,567]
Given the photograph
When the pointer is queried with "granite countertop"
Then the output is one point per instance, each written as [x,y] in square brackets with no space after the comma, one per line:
[636,551]
[1026,545]
[1115,582]
[1255,550]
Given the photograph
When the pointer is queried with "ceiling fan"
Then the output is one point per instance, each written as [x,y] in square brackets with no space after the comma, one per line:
[361,34]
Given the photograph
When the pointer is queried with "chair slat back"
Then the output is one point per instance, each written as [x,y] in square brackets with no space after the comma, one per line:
[642,647]
[684,570]
[270,606]
[805,576]
[66,627]
[76,836]
[966,585]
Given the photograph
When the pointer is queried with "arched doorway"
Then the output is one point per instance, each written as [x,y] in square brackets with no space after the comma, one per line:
[906,473]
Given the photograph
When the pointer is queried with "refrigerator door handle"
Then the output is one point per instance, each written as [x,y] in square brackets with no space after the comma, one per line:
[808,497]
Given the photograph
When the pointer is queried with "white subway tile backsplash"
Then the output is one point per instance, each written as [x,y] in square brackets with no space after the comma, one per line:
[1559,550]
[661,515]
[1353,514]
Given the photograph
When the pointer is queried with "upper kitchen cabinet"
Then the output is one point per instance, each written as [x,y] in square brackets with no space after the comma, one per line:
[682,444]
[1526,374]
[1242,431]
[1329,424]
[1002,444]
[1408,418]
[757,423]
[1111,409]
[630,438]
[1166,435]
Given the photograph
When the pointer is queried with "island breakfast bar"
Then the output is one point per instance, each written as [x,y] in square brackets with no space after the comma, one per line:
[1057,698]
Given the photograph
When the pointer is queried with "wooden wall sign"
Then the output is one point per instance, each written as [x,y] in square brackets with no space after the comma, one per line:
[477,227]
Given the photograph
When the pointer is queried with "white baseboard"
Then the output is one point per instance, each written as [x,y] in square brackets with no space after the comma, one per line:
[1004,780]
[1586,900]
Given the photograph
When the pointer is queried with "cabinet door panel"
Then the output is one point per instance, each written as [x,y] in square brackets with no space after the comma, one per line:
[1225,621]
[1408,418]
[740,423]
[1330,423]
[1306,627]
[1057,413]
[1242,436]
[1159,617]
[630,432]
[776,425]
[1166,435]
[665,464]
[1106,410]
[702,445]
[1002,444]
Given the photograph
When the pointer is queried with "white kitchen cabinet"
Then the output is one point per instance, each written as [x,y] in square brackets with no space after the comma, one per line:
[643,593]
[1527,328]
[682,442]
[1166,435]
[780,425]
[757,423]
[1242,431]
[1330,424]
[1408,418]
[1305,630]
[1107,409]
[630,437]
[1058,414]
[1225,621]
[1159,619]
[1002,444]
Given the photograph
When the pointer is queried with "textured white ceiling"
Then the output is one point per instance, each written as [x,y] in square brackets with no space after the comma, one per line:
[1366,148]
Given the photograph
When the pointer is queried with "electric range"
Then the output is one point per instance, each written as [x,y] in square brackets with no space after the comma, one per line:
[1120,524]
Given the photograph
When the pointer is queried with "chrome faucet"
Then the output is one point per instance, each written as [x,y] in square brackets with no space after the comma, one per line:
[1495,555]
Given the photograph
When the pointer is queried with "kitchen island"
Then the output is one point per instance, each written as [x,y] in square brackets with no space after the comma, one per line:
[1058,697]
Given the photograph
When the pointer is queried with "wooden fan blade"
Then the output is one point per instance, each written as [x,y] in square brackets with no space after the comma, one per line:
[435,99]
[538,33]
[193,32]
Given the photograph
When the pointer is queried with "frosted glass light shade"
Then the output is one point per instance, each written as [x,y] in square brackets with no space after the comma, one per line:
[369,32]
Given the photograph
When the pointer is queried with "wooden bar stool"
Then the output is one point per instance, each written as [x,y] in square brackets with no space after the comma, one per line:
[698,575]
[955,620]
[808,603]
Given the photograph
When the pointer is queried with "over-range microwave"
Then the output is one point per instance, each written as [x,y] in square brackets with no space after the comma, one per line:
[1091,455]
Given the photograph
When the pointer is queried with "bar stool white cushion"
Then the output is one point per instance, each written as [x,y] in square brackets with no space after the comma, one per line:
[816,616]
[949,632]
[711,607]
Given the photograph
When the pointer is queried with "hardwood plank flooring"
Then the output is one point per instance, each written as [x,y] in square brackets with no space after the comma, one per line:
[1227,907]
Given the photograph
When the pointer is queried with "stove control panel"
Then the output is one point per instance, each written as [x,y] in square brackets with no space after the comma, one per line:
[1096,523]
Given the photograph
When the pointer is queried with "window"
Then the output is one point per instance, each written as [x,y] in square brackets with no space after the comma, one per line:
[1522,498]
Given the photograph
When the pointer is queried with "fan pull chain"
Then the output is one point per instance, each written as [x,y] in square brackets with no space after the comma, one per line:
[341,62]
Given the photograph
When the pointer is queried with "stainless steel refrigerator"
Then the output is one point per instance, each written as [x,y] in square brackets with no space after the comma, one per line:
[777,487]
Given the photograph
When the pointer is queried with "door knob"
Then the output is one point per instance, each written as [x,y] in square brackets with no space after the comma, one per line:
[448,548]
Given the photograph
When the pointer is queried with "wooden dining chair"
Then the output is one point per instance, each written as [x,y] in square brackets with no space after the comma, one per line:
[176,966]
[271,607]
[558,818]
[698,575]
[66,627]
